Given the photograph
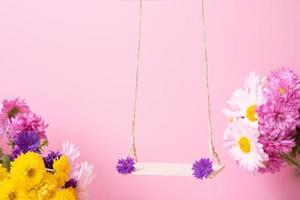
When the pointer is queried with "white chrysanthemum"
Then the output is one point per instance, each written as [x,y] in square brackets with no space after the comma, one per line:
[83,173]
[70,150]
[242,139]
[84,176]
[244,101]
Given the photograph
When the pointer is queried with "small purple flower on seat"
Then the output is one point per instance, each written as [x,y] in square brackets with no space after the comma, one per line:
[202,168]
[125,166]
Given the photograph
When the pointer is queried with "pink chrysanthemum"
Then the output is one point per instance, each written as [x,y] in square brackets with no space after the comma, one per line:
[277,119]
[279,116]
[13,107]
[4,125]
[10,109]
[279,145]
[273,165]
[284,84]
[28,121]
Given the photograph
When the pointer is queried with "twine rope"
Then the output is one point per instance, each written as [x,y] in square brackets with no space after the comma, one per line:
[212,149]
[133,149]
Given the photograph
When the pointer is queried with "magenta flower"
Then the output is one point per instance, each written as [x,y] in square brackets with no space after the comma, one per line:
[13,107]
[10,109]
[4,124]
[279,116]
[274,149]
[279,145]
[277,119]
[28,121]
[284,84]
[273,165]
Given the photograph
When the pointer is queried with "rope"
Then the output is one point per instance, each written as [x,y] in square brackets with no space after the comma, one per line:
[212,150]
[133,149]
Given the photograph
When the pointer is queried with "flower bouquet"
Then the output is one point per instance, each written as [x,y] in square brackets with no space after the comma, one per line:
[27,171]
[263,132]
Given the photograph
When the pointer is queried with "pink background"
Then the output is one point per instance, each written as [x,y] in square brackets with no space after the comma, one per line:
[74,62]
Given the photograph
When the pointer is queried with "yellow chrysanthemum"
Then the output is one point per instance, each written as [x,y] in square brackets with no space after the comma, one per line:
[65,194]
[9,190]
[61,170]
[28,169]
[46,189]
[32,195]
[3,173]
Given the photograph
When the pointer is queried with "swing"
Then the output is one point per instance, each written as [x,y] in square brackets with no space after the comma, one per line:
[132,165]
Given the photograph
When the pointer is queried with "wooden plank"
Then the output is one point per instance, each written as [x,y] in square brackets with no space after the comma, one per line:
[169,169]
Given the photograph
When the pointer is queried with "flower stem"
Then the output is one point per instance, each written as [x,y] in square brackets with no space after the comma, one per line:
[291,160]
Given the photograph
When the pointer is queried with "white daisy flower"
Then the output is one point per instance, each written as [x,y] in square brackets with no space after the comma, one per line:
[83,173]
[70,150]
[244,101]
[84,176]
[242,139]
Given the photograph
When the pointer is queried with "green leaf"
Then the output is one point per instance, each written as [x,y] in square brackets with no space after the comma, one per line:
[44,144]
[5,161]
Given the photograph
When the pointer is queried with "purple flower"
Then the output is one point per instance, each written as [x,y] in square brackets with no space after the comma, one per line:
[49,159]
[202,168]
[15,153]
[71,183]
[24,142]
[125,166]
[28,141]
[28,121]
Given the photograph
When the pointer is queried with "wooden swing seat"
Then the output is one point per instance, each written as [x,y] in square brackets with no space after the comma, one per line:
[170,169]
